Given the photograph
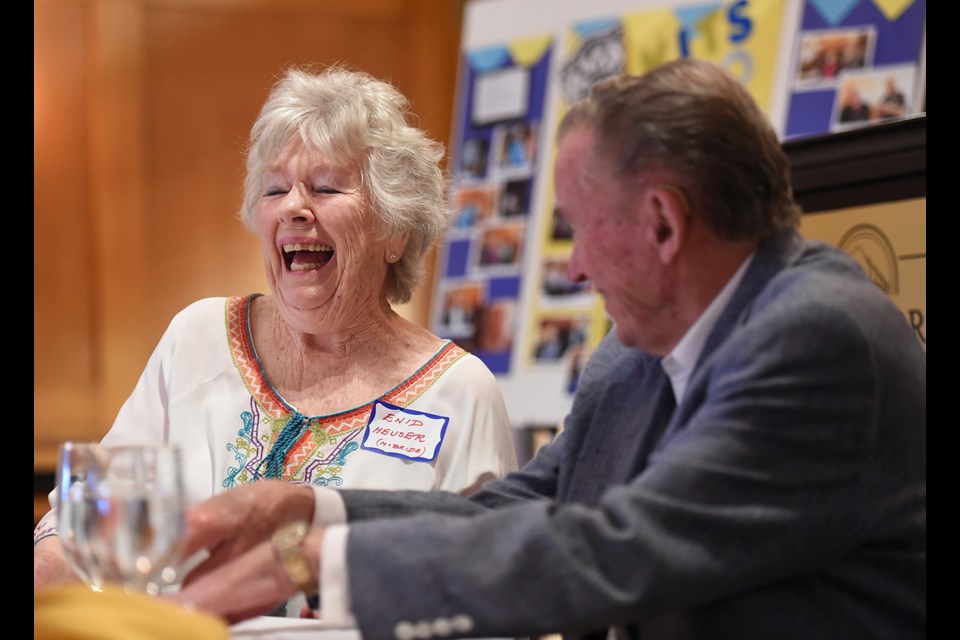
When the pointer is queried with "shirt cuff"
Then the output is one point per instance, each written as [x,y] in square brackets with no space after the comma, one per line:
[335,604]
[328,507]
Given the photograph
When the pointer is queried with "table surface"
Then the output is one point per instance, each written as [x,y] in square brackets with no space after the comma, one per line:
[275,628]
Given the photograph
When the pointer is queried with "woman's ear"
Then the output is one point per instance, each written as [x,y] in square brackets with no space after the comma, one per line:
[669,217]
[395,248]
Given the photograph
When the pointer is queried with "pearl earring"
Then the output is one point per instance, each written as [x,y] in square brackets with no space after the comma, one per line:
[393,257]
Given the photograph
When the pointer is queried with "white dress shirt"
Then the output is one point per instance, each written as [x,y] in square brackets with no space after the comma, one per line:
[680,362]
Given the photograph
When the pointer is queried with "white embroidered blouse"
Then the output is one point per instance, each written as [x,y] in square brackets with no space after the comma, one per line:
[204,389]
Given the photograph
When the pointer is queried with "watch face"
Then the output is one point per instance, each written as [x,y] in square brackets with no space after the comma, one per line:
[287,539]
[288,546]
[294,533]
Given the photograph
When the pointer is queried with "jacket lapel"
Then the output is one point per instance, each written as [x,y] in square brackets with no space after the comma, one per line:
[770,259]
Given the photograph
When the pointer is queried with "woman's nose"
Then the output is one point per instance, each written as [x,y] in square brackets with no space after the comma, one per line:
[296,205]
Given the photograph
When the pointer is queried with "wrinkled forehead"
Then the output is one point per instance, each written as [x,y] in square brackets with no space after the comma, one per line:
[578,157]
[310,155]
[337,149]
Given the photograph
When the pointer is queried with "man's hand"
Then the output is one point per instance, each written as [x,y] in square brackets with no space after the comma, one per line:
[231,523]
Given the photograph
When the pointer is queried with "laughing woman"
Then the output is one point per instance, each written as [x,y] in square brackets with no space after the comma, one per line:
[320,381]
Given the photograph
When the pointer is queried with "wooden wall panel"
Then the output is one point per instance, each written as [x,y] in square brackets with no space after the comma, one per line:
[217,67]
[143,108]
[64,322]
[115,99]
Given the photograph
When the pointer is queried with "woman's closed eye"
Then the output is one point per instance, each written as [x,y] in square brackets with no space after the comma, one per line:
[279,191]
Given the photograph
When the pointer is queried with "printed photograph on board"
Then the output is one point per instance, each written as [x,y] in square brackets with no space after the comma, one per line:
[558,335]
[557,286]
[560,229]
[500,245]
[824,54]
[475,204]
[460,312]
[515,198]
[881,93]
[515,148]
[495,326]
[474,158]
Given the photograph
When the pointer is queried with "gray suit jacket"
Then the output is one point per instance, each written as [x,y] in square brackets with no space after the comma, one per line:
[786,498]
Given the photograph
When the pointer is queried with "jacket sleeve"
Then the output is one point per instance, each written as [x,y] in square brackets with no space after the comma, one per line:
[759,483]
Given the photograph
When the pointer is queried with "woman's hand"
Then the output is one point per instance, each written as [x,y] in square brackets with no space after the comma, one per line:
[50,566]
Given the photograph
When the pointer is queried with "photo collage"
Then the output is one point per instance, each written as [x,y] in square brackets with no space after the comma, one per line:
[856,64]
[496,162]
[503,289]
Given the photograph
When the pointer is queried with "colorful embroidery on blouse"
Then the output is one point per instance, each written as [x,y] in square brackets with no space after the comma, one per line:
[316,447]
[43,530]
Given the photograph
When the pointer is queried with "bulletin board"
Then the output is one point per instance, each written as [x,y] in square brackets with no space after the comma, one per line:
[502,290]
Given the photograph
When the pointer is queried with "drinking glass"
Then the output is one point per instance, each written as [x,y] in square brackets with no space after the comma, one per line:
[78,467]
[139,520]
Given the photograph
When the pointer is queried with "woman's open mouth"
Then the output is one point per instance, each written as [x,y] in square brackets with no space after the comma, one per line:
[305,256]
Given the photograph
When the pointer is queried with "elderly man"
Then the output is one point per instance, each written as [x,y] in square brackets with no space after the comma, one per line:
[745,456]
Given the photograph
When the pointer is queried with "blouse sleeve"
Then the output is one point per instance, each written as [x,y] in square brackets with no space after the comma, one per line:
[480,446]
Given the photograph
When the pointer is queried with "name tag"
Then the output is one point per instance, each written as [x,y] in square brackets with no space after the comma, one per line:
[404,433]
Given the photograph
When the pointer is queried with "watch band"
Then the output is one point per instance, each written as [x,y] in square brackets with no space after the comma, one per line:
[287,544]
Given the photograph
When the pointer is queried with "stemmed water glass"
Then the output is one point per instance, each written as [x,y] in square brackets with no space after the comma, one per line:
[78,468]
[140,516]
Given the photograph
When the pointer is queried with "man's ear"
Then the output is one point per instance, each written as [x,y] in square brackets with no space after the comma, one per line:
[669,216]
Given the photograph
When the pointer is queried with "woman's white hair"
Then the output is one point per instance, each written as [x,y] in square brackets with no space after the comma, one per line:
[355,120]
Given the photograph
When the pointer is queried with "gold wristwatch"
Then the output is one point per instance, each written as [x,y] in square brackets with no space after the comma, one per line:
[287,543]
